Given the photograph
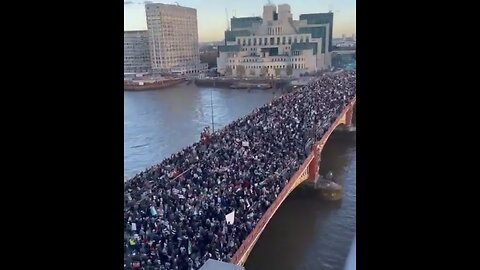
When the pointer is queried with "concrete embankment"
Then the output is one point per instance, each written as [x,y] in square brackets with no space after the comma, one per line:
[228,82]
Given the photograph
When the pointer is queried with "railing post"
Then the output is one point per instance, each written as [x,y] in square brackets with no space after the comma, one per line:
[349,116]
[313,166]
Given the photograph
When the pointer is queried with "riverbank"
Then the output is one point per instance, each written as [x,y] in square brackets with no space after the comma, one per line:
[246,83]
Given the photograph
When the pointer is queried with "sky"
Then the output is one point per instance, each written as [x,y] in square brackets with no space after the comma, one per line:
[212,18]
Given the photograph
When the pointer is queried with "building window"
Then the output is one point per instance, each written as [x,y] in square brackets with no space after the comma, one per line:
[301,39]
[295,40]
[238,41]
[278,41]
[306,40]
[254,42]
[265,41]
[289,40]
[249,42]
[283,40]
[260,41]
[272,41]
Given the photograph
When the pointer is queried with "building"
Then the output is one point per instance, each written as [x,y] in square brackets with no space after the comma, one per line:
[173,39]
[268,45]
[136,56]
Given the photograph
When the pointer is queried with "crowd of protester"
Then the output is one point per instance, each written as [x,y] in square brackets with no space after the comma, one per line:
[175,212]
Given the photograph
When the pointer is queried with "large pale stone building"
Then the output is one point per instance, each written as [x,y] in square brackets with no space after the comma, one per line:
[136,57]
[258,46]
[173,39]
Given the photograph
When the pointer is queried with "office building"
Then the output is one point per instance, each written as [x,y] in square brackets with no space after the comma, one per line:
[136,56]
[173,39]
[268,45]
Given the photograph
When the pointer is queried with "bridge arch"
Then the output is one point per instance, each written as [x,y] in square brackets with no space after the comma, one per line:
[308,171]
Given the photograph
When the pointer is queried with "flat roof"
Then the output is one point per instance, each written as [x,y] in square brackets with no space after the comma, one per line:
[218,265]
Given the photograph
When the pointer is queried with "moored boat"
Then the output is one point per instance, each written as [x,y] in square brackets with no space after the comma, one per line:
[138,85]
[251,86]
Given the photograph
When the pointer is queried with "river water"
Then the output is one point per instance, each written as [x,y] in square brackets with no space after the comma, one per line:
[306,232]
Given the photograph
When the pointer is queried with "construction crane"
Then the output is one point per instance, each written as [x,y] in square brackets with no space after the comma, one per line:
[228,23]
[330,9]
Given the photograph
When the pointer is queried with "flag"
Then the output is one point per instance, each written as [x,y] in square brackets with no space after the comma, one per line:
[230,217]
[153,211]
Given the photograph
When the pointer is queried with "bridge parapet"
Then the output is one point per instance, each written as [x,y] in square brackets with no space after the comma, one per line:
[308,171]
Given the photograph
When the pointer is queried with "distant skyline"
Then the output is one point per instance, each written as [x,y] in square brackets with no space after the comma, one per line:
[212,19]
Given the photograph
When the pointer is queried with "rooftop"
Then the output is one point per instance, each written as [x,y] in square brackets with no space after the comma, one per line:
[218,265]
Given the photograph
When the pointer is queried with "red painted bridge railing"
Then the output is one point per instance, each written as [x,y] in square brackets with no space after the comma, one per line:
[243,251]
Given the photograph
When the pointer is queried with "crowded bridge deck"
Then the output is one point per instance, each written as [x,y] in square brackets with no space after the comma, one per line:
[213,199]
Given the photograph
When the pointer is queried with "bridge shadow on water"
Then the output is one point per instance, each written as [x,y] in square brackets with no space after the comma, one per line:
[299,234]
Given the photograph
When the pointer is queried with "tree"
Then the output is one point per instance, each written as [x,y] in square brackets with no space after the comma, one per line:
[228,71]
[240,70]
[263,71]
[252,72]
[289,70]
[277,72]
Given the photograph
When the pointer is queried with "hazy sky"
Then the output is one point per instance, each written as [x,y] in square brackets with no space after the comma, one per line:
[212,20]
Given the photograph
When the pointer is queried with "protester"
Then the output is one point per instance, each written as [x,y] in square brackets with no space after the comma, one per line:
[175,212]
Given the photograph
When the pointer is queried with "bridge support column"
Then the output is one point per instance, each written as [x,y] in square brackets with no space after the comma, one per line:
[349,116]
[313,167]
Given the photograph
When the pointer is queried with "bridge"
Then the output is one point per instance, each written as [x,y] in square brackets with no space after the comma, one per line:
[308,172]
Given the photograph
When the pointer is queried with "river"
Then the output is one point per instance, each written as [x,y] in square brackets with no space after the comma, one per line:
[306,233]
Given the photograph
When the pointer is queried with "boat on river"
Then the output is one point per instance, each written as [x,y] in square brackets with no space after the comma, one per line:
[150,84]
[251,86]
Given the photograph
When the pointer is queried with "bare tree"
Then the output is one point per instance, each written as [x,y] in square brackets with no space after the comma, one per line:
[240,70]
[228,71]
[289,70]
[263,71]
[277,72]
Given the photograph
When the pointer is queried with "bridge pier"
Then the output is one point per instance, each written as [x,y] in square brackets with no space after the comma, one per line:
[314,166]
[349,116]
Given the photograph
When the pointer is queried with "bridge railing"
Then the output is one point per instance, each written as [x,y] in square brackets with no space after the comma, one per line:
[325,136]
[292,183]
[236,259]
